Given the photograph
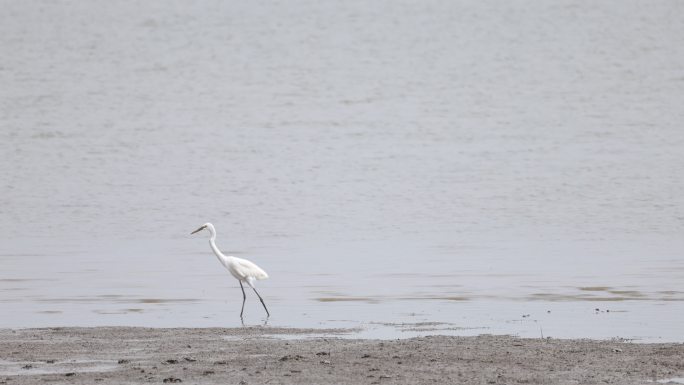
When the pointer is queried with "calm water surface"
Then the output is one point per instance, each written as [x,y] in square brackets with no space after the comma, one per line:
[401,168]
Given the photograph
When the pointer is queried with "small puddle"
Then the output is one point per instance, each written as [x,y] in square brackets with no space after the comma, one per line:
[29,368]
[674,380]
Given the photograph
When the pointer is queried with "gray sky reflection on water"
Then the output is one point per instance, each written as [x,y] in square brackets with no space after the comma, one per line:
[377,159]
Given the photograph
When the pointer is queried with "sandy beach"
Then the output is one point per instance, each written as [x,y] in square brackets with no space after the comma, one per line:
[260,355]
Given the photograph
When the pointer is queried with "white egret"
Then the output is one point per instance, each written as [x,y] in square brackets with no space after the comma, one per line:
[242,269]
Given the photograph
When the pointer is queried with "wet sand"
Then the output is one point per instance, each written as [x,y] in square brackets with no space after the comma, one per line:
[258,355]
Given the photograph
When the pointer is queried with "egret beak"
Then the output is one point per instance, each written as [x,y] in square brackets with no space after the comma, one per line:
[200,229]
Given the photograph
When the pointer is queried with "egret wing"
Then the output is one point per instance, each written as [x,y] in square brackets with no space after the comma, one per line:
[249,269]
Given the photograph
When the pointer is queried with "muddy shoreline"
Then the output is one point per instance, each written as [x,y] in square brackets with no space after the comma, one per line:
[258,355]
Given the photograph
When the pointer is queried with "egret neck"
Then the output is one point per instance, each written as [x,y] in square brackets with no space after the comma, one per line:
[212,243]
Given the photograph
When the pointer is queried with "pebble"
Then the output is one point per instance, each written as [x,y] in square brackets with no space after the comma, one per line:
[291,357]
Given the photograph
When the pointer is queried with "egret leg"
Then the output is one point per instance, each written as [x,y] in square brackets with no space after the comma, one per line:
[262,302]
[244,297]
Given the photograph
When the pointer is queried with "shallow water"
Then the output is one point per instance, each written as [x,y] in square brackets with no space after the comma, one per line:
[455,164]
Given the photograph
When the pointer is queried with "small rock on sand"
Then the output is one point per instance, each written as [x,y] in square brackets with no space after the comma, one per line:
[291,357]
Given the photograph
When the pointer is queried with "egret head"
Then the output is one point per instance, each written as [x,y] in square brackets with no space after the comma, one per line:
[207,225]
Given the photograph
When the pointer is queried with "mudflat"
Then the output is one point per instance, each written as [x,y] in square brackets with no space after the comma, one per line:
[260,355]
